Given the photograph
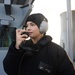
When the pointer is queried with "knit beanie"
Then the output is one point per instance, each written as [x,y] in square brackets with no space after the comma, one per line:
[36,18]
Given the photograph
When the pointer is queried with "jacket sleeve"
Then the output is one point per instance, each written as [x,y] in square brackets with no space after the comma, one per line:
[12,60]
[65,66]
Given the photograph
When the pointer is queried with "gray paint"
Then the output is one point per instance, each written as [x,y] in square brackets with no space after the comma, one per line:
[64,33]
[2,55]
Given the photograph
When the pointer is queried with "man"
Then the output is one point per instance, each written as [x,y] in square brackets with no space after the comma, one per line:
[38,55]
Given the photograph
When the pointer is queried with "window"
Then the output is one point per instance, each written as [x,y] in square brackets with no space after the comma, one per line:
[7,35]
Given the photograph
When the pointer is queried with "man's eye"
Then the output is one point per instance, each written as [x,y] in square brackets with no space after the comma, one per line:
[32,24]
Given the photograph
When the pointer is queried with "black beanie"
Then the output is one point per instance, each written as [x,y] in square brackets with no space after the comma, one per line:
[36,18]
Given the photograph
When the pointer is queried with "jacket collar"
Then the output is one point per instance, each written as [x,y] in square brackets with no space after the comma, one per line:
[44,40]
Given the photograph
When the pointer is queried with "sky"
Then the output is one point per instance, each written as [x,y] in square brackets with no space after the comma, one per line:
[51,9]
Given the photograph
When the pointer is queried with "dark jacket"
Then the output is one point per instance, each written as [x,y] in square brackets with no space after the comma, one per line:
[43,58]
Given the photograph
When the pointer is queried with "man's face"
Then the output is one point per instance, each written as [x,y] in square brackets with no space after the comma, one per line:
[32,29]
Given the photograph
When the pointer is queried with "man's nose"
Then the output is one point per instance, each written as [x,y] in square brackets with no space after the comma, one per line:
[28,28]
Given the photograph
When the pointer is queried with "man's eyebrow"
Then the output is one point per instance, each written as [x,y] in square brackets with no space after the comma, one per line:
[31,23]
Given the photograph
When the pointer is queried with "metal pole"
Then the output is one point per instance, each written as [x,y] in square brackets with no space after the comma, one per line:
[69,30]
